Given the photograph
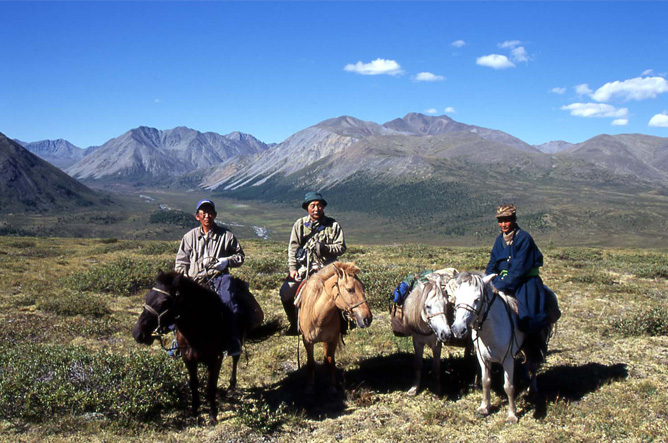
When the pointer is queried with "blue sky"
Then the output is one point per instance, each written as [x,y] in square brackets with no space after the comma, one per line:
[541,71]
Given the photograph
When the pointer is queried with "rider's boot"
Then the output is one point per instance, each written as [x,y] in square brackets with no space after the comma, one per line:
[291,313]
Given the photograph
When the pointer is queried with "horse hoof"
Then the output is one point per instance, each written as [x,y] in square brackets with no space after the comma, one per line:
[511,420]
[483,411]
[412,392]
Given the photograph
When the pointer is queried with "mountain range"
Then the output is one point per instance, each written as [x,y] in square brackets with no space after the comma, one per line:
[427,171]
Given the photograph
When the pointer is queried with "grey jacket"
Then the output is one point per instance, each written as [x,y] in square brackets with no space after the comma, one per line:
[197,250]
[328,232]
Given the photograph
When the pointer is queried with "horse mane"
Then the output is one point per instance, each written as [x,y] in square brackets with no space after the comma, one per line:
[188,286]
[475,279]
[413,305]
[329,270]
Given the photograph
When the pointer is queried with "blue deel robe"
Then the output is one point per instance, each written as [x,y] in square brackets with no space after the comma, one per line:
[518,259]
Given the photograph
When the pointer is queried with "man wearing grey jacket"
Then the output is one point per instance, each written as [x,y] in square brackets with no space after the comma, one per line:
[206,253]
[315,241]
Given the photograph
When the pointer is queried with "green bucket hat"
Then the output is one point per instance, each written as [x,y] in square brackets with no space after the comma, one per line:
[313,196]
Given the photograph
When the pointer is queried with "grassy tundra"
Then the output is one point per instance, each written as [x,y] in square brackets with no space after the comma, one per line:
[70,371]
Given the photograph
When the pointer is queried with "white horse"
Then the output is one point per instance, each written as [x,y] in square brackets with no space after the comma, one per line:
[492,319]
[425,319]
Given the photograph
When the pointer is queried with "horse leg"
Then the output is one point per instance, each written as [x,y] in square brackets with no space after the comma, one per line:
[310,367]
[212,389]
[233,378]
[509,387]
[485,376]
[436,367]
[191,365]
[418,347]
[330,363]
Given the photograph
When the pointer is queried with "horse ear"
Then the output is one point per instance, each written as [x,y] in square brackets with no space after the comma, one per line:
[160,273]
[177,280]
[339,271]
[488,278]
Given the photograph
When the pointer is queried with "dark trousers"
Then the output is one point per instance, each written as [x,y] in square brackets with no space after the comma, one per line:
[226,289]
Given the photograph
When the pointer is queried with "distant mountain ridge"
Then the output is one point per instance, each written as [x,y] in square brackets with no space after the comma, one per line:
[149,152]
[59,152]
[28,183]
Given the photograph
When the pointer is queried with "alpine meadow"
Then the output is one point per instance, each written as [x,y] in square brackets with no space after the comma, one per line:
[170,171]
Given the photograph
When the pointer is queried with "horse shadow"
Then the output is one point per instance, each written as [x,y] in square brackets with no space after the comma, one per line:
[394,372]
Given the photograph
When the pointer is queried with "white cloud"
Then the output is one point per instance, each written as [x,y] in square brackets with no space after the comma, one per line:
[449,110]
[595,110]
[583,89]
[428,77]
[519,54]
[659,120]
[620,122]
[495,61]
[431,111]
[377,67]
[458,43]
[510,44]
[157,100]
[639,88]
[647,72]
[560,91]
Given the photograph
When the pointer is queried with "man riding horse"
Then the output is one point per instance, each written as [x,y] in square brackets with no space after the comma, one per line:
[315,241]
[206,253]
[516,260]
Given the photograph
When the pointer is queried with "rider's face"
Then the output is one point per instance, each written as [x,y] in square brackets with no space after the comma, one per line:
[507,224]
[315,210]
[206,216]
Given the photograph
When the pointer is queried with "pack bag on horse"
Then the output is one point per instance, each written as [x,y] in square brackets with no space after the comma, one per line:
[331,293]
[421,310]
[315,241]
[176,302]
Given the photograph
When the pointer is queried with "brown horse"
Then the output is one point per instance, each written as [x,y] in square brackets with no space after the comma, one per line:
[176,300]
[327,295]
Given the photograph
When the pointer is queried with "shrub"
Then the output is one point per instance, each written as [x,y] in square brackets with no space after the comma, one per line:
[652,322]
[124,276]
[71,304]
[170,217]
[257,415]
[39,381]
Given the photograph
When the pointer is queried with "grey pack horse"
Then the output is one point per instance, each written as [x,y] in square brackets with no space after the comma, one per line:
[426,317]
[491,317]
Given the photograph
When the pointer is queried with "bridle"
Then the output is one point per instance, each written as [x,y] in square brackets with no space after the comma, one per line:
[483,308]
[160,329]
[348,309]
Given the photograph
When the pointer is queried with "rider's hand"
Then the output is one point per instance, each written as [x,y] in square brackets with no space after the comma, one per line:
[221,265]
[293,274]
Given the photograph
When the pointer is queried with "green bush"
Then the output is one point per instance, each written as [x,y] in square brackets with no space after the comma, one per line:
[71,304]
[178,218]
[124,276]
[39,381]
[652,322]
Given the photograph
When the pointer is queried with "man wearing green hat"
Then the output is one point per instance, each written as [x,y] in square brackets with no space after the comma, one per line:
[315,241]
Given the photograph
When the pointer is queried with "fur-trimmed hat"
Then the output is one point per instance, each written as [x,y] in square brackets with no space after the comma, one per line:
[508,210]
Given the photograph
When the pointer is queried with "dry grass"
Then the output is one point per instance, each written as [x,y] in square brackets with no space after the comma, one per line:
[600,383]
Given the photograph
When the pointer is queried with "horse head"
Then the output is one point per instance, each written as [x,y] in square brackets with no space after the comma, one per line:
[434,310]
[159,312]
[469,300]
[350,298]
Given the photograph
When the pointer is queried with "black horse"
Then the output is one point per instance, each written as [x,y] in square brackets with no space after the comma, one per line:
[202,335]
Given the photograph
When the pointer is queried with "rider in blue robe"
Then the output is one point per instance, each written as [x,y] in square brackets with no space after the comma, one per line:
[516,259]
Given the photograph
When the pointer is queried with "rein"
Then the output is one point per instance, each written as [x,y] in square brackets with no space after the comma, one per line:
[159,329]
[349,308]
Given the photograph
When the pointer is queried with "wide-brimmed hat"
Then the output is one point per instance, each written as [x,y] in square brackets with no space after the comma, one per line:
[311,197]
[205,202]
[508,210]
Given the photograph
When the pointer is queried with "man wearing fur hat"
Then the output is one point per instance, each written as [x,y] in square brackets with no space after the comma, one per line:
[207,253]
[517,260]
[315,241]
